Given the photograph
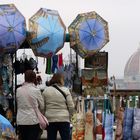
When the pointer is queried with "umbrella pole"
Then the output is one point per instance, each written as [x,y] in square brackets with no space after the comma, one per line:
[70,56]
[77,64]
[15,105]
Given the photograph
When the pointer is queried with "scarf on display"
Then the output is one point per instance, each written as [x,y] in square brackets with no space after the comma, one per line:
[54,63]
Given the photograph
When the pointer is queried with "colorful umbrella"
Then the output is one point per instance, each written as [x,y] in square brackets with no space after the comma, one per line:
[6,129]
[88,33]
[12,28]
[46,32]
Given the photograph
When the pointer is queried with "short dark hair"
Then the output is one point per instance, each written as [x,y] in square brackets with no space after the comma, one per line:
[30,76]
[56,79]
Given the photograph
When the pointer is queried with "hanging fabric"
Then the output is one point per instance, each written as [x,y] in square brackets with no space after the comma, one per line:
[89,121]
[60,60]
[119,121]
[54,64]
[128,123]
[136,124]
[48,65]
[78,122]
[119,124]
[108,121]
[98,124]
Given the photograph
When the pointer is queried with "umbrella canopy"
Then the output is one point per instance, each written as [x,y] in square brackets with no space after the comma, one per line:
[88,33]
[6,129]
[12,28]
[46,32]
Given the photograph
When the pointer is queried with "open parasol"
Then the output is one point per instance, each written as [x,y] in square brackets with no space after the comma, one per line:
[12,28]
[46,32]
[88,33]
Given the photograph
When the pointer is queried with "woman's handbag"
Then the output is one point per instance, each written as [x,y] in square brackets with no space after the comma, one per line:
[43,122]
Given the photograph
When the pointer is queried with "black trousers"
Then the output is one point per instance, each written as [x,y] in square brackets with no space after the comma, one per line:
[62,127]
[29,132]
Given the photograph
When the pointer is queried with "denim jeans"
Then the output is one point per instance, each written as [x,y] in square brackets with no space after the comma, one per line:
[62,127]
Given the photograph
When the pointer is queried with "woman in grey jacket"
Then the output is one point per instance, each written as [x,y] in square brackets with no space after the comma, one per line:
[27,120]
[58,108]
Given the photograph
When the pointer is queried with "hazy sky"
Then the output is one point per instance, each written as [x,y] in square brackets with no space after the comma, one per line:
[123,17]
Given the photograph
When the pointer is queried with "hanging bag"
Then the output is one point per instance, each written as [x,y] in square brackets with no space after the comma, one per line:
[136,124]
[89,122]
[108,121]
[128,123]
[119,124]
[78,122]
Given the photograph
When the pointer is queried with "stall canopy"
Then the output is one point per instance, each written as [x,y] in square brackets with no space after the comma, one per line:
[12,28]
[88,33]
[47,32]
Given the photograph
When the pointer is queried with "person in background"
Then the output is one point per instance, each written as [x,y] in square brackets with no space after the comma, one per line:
[58,108]
[27,121]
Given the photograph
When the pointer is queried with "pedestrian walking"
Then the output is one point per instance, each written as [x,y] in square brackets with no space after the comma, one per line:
[27,121]
[59,107]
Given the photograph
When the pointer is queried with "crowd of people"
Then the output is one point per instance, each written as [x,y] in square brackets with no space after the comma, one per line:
[55,102]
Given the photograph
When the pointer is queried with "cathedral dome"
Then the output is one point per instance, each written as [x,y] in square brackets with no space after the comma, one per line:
[132,67]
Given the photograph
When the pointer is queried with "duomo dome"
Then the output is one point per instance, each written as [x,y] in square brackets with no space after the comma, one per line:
[132,70]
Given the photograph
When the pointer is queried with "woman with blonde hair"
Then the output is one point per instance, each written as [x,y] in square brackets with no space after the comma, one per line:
[59,107]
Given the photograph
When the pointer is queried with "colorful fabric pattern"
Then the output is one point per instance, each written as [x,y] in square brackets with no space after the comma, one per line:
[6,129]
[78,122]
[47,32]
[88,33]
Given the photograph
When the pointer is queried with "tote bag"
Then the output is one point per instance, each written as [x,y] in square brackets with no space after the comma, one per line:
[119,125]
[108,121]
[128,123]
[89,122]
[78,122]
[136,124]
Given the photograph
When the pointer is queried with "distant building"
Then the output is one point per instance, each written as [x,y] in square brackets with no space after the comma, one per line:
[131,73]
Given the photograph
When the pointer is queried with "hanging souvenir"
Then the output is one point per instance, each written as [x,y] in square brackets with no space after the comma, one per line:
[97,61]
[136,124]
[128,123]
[96,78]
[89,122]
[78,122]
[108,120]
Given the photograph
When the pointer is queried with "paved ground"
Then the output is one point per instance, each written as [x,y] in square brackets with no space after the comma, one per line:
[44,136]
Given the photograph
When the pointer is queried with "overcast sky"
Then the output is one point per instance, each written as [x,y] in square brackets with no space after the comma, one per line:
[123,17]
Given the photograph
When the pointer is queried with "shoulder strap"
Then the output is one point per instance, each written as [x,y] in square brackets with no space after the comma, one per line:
[62,92]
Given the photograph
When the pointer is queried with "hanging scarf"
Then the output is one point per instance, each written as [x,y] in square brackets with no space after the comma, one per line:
[48,65]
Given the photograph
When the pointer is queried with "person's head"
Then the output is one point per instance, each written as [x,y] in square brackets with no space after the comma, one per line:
[30,76]
[58,78]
